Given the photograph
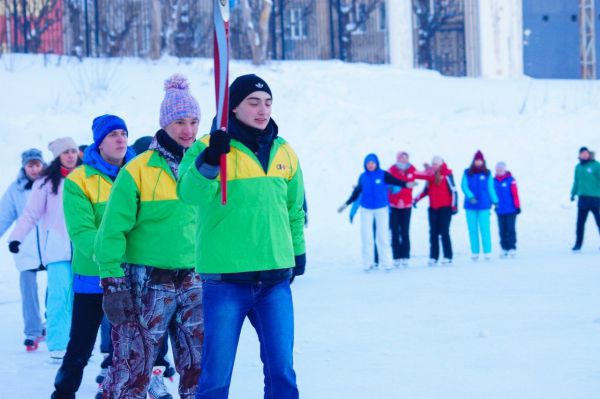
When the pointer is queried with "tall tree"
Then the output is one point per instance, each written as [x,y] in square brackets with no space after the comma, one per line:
[255,19]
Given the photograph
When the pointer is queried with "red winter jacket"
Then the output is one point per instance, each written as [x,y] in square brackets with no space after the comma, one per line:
[442,194]
[403,198]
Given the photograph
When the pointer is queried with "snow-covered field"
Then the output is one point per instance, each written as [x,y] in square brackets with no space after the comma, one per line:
[522,328]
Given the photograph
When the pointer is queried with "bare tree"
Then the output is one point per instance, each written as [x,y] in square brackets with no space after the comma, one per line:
[156,30]
[116,31]
[255,19]
[37,17]
[353,17]
[430,17]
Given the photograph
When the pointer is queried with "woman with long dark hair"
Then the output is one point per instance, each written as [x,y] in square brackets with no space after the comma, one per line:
[45,206]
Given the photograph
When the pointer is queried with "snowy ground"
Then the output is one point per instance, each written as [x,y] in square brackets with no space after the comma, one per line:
[522,328]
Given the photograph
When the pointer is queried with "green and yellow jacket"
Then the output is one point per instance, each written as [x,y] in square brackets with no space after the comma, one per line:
[145,222]
[262,226]
[86,192]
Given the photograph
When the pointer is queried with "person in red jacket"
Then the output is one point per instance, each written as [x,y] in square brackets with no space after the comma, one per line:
[443,200]
[401,201]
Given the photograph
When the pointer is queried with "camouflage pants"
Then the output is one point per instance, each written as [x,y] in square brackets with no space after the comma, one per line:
[163,299]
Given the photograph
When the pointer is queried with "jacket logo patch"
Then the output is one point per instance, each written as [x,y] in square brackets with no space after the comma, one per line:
[281,166]
[482,178]
[378,181]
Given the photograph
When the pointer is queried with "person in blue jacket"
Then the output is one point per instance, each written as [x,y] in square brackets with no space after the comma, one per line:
[480,195]
[507,210]
[372,189]
[29,258]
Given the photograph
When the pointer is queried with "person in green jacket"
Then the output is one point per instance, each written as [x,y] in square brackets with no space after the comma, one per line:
[145,250]
[85,194]
[586,186]
[248,251]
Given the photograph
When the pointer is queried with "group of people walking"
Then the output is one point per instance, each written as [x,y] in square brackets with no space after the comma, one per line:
[385,200]
[143,240]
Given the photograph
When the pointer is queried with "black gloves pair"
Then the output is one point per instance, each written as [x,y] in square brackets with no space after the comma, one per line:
[13,246]
[217,146]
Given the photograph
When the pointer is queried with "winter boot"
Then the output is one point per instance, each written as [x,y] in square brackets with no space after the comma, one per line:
[100,392]
[101,376]
[432,262]
[446,261]
[169,373]
[31,344]
[158,389]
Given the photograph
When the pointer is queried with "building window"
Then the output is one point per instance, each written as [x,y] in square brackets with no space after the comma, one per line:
[381,17]
[297,24]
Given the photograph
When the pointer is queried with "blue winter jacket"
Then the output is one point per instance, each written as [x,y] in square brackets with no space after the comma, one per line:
[374,190]
[481,187]
[11,206]
[506,190]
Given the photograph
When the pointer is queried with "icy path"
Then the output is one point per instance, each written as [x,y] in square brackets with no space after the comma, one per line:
[522,328]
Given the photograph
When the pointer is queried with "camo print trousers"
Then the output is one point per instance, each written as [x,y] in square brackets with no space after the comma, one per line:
[163,300]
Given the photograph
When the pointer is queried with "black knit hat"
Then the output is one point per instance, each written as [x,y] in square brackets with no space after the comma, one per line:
[582,149]
[244,86]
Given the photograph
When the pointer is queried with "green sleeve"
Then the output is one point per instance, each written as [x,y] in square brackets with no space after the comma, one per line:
[192,187]
[465,187]
[574,189]
[79,218]
[492,189]
[119,218]
[295,202]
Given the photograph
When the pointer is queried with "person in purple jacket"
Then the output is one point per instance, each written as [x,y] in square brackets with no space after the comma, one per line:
[507,210]
[45,206]
[372,188]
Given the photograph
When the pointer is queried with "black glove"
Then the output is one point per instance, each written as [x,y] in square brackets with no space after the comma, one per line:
[415,204]
[13,246]
[217,146]
[454,210]
[572,198]
[518,211]
[117,301]
[300,265]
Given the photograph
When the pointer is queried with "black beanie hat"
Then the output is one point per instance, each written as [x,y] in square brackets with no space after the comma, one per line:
[243,86]
[582,149]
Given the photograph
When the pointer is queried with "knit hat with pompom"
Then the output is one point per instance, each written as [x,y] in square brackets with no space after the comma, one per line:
[178,102]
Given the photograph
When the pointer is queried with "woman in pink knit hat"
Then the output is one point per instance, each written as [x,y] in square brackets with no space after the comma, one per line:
[45,207]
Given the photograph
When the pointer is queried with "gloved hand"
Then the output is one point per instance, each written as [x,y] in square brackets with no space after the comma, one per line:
[495,208]
[473,200]
[415,204]
[518,211]
[572,198]
[300,265]
[454,210]
[341,208]
[218,145]
[117,301]
[13,246]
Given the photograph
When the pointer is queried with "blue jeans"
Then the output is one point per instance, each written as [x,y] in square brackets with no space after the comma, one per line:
[270,310]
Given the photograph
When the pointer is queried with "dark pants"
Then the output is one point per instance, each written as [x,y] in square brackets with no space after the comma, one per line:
[586,205]
[508,232]
[399,224]
[86,319]
[439,227]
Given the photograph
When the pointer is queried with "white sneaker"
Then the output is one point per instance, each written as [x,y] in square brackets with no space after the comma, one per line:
[57,356]
[512,253]
[397,263]
[503,254]
[475,257]
[487,257]
[158,389]
[371,267]
[432,262]
[405,263]
[446,261]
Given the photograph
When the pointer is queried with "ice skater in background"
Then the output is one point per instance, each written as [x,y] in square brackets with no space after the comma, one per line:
[586,186]
[44,208]
[401,201]
[507,210]
[443,204]
[373,192]
[29,258]
[480,195]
